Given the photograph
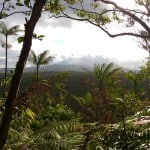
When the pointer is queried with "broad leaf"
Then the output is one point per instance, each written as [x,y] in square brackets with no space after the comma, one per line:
[20,39]
[19,4]
[27,2]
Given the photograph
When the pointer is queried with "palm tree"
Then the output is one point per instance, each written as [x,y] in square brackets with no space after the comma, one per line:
[134,78]
[106,75]
[38,60]
[4,30]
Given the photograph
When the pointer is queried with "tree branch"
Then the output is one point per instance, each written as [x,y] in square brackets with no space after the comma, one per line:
[3,6]
[92,12]
[138,12]
[18,12]
[102,28]
[128,13]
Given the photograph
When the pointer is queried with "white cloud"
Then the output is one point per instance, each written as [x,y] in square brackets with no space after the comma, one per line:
[83,39]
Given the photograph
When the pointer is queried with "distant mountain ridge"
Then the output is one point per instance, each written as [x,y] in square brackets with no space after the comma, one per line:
[60,68]
[84,63]
[55,68]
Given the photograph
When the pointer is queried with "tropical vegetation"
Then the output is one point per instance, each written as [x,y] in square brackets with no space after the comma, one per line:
[107,115]
[38,60]
[5,31]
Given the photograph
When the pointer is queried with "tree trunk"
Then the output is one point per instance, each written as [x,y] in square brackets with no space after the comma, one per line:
[135,88]
[6,58]
[16,79]
[37,73]
[148,75]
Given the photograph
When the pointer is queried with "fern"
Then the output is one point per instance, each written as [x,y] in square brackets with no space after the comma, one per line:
[58,135]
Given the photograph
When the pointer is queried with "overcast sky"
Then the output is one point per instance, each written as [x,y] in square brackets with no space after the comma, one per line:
[68,38]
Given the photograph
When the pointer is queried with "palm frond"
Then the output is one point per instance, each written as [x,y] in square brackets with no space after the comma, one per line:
[43,54]
[44,58]
[3,28]
[114,72]
[48,59]
[14,30]
[98,72]
[58,135]
[106,74]
[107,69]
[33,58]
[9,31]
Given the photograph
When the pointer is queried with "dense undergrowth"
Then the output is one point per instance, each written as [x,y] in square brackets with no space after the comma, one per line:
[102,114]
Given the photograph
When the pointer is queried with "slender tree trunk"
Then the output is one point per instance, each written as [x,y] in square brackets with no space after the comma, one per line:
[6,59]
[148,75]
[37,73]
[135,88]
[16,79]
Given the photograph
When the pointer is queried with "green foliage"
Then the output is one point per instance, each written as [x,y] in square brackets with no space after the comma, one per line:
[58,135]
[41,59]
[93,17]
[60,80]
[106,75]
[137,135]
[35,36]
[24,3]
[54,6]
[71,2]
[5,83]
[56,112]
[51,127]
[20,131]
[20,39]
[38,37]
[19,4]
[5,31]
[38,60]
[8,31]
[145,71]
[43,120]
[134,78]
[27,2]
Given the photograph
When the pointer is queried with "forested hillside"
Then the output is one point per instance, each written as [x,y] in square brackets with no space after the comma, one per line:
[61,98]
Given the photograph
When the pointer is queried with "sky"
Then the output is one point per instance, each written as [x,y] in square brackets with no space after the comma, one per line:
[66,38]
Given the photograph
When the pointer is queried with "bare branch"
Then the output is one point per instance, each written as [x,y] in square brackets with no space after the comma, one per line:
[3,6]
[18,12]
[138,12]
[101,27]
[93,12]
